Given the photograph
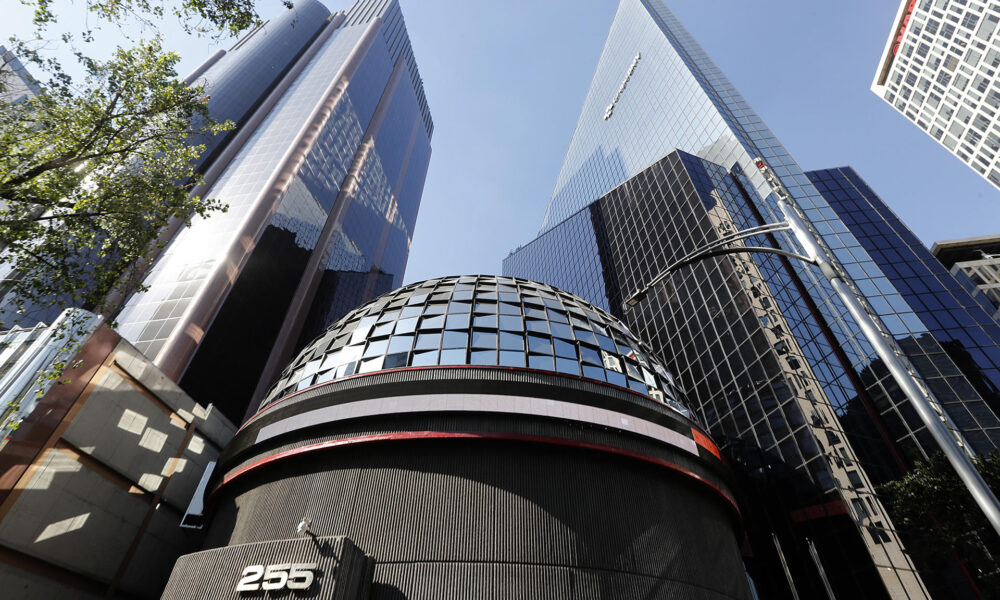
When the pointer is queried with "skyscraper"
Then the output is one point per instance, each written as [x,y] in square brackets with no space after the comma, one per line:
[322,179]
[975,261]
[16,83]
[664,161]
[939,70]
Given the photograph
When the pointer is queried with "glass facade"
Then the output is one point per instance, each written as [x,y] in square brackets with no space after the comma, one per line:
[322,200]
[938,69]
[661,163]
[16,84]
[963,366]
[238,81]
[482,320]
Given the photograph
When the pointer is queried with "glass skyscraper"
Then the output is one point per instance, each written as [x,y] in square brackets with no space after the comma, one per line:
[663,161]
[322,178]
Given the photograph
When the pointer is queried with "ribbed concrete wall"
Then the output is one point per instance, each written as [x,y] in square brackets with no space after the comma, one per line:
[486,518]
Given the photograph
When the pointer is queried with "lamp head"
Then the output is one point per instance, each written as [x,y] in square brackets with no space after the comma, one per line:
[303,527]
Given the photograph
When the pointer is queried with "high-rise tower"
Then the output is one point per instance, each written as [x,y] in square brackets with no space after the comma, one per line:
[938,69]
[663,161]
[322,179]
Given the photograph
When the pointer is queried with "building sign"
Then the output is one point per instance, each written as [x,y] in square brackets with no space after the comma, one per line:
[610,110]
[320,568]
[292,576]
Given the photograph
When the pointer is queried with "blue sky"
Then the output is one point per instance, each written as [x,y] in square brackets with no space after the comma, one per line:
[505,82]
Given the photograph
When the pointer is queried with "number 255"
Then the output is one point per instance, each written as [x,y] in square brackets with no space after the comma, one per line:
[294,576]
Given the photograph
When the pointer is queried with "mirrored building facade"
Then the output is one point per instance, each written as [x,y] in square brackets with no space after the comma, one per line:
[662,162]
[322,179]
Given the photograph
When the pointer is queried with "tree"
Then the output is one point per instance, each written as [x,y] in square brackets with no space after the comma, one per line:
[940,520]
[91,173]
[227,17]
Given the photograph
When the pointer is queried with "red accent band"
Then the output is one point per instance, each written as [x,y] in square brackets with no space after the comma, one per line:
[705,442]
[425,435]
[819,511]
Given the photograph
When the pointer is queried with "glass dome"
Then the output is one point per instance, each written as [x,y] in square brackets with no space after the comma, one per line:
[481,320]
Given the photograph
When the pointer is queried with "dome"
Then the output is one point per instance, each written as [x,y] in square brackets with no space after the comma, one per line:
[482,321]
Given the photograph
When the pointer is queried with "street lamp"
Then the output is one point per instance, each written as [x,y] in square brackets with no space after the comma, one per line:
[818,254]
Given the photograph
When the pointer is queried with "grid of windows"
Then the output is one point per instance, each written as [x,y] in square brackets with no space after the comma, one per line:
[749,347]
[959,355]
[376,216]
[942,75]
[481,320]
[778,320]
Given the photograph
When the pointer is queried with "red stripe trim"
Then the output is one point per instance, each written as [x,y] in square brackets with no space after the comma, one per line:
[425,435]
[403,369]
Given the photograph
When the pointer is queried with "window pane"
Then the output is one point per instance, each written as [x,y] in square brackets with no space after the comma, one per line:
[541,345]
[453,357]
[489,321]
[394,361]
[639,387]
[455,339]
[424,359]
[589,355]
[376,347]
[459,321]
[509,309]
[432,322]
[484,339]
[428,341]
[510,323]
[616,378]
[535,313]
[388,316]
[406,326]
[539,326]
[435,309]
[411,311]
[563,331]
[373,364]
[565,349]
[606,343]
[511,341]
[459,307]
[512,359]
[382,330]
[486,307]
[566,365]
[400,343]
[557,316]
[541,362]
[484,357]
[593,372]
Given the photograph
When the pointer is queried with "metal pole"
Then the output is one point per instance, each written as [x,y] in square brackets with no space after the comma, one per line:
[819,567]
[959,460]
[784,565]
